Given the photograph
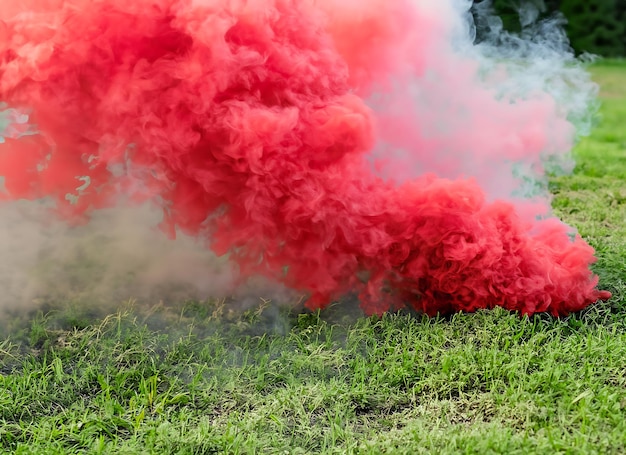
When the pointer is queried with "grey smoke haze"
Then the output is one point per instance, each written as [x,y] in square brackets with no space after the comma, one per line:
[119,255]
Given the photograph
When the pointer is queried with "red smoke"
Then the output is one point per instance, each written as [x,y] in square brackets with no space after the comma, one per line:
[247,122]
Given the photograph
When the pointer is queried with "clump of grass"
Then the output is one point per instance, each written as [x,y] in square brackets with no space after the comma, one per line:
[398,383]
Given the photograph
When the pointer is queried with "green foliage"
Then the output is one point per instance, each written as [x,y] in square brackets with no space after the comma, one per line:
[509,11]
[512,12]
[596,26]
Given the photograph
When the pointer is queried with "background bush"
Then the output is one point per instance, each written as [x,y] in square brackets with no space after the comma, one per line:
[594,26]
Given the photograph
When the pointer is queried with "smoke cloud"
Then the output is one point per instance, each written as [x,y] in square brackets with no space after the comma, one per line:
[118,256]
[329,146]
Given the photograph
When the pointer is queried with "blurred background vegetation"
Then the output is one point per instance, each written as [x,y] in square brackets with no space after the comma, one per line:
[593,26]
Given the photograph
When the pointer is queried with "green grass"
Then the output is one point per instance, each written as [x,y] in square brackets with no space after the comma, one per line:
[197,378]
[593,199]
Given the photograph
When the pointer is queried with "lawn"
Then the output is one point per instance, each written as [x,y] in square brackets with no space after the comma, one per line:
[199,378]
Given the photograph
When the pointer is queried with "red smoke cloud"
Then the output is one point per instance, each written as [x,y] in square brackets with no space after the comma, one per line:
[253,124]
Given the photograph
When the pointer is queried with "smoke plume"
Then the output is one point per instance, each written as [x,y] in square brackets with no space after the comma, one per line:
[332,146]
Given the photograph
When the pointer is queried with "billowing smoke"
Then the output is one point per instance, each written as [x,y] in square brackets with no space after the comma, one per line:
[118,256]
[332,146]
